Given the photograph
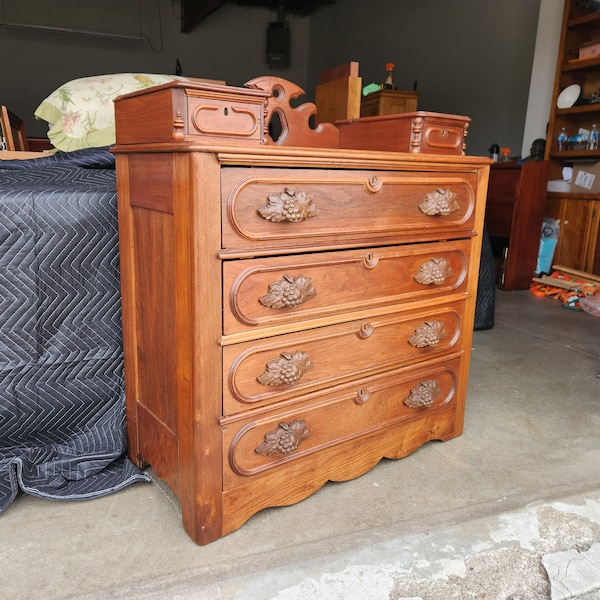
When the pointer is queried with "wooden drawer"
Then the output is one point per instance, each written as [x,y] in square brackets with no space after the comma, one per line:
[288,367]
[253,446]
[273,292]
[305,208]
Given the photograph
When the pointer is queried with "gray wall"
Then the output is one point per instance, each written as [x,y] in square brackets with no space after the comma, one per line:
[228,45]
[470,57]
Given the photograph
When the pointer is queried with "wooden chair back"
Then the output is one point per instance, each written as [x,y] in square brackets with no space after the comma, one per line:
[13,130]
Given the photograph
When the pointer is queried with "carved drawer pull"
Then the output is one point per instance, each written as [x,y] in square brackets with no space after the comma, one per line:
[285,439]
[428,334]
[435,270]
[286,369]
[289,206]
[439,202]
[289,292]
[423,395]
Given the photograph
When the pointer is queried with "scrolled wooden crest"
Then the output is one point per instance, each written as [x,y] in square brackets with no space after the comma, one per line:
[294,122]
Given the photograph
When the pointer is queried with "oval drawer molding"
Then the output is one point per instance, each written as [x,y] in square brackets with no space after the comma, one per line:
[286,369]
[285,439]
[225,119]
[256,443]
[289,206]
[336,283]
[289,292]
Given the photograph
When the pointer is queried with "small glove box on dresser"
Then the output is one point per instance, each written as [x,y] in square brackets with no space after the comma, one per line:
[202,113]
[422,131]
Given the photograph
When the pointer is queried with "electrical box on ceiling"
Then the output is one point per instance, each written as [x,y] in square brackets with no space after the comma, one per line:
[194,11]
[278,44]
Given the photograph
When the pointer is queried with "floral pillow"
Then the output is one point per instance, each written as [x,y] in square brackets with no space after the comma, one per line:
[81,112]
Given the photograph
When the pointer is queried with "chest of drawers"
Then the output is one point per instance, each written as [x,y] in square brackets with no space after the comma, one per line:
[291,315]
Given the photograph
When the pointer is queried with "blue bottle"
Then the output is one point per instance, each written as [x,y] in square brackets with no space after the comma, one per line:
[562,139]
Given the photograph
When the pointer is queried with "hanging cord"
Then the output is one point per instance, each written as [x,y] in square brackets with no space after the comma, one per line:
[160,28]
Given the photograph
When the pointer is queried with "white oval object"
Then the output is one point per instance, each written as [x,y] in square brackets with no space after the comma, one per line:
[568,96]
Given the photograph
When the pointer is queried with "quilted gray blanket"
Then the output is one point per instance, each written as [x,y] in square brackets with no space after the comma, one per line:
[62,415]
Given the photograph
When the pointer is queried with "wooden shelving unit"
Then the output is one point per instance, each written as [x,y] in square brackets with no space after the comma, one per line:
[579,243]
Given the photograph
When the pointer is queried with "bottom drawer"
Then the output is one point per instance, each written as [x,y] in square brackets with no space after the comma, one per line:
[290,439]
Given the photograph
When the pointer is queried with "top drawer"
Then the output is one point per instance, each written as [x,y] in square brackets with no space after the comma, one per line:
[301,208]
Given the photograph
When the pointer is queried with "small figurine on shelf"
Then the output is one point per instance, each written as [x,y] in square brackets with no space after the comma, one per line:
[389,79]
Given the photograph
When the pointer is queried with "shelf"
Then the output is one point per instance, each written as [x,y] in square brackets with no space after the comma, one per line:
[589,21]
[581,64]
[572,196]
[579,109]
[579,243]
[575,154]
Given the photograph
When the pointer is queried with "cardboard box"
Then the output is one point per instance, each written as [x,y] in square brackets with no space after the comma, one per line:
[590,50]
[559,185]
[586,177]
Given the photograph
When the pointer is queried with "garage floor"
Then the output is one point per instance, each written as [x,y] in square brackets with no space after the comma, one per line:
[509,510]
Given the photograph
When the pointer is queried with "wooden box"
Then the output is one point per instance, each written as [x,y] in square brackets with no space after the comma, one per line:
[388,102]
[423,132]
[183,111]
[338,94]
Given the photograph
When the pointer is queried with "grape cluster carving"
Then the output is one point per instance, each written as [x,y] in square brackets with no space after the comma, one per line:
[439,202]
[290,206]
[430,333]
[289,292]
[286,369]
[285,439]
[434,271]
[423,395]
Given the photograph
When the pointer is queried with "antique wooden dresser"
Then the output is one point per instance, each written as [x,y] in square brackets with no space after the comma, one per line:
[292,313]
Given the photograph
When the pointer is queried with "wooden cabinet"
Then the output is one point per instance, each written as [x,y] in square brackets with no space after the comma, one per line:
[514,215]
[579,218]
[291,315]
[388,102]
[577,247]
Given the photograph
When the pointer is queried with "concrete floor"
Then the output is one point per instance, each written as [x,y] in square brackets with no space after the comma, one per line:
[474,517]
